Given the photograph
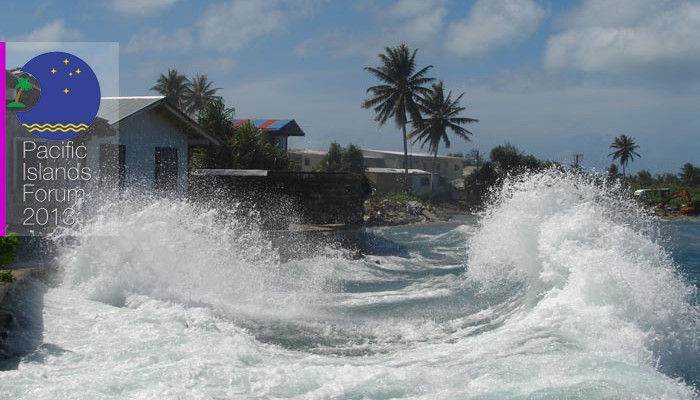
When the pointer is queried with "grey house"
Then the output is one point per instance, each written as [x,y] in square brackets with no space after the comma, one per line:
[152,144]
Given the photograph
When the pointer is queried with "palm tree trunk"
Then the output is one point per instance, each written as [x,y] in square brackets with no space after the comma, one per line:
[623,172]
[19,94]
[406,182]
[432,175]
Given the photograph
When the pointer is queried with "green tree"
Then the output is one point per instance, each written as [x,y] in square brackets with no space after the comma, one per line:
[241,148]
[332,161]
[644,178]
[215,120]
[198,93]
[440,114]
[486,175]
[173,86]
[8,249]
[353,159]
[613,172]
[689,174]
[625,151]
[250,150]
[509,159]
[339,159]
[395,98]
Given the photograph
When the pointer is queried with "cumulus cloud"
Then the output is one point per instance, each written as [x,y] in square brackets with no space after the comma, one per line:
[491,24]
[233,24]
[656,39]
[141,8]
[418,23]
[54,31]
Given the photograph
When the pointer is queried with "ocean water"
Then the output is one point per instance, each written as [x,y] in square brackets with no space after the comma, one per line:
[559,290]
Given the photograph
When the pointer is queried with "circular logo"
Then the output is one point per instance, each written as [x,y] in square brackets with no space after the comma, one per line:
[69,96]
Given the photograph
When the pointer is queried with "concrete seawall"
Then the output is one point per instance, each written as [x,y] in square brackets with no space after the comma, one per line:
[19,277]
[283,198]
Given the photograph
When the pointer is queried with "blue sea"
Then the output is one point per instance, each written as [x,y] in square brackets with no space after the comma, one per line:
[560,289]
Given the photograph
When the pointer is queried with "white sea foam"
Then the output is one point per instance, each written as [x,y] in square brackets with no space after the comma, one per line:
[565,293]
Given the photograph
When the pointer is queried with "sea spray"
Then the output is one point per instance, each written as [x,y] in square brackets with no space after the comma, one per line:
[591,266]
[562,290]
[186,252]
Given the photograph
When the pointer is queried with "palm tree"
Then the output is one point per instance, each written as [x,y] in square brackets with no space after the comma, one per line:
[198,94]
[624,150]
[23,85]
[440,114]
[396,96]
[689,174]
[173,85]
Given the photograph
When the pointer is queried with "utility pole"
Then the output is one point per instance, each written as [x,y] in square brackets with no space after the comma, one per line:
[578,157]
[477,158]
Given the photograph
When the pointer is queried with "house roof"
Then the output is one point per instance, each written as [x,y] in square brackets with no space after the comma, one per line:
[400,153]
[397,171]
[280,127]
[116,109]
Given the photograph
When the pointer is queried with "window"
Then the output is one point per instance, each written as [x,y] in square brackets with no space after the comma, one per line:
[425,181]
[166,169]
[456,167]
[438,166]
[307,161]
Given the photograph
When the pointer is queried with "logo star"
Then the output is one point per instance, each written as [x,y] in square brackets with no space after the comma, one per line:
[70,74]
[65,61]
[78,71]
[53,70]
[66,90]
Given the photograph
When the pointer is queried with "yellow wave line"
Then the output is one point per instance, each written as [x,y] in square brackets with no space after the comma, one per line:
[52,126]
[56,130]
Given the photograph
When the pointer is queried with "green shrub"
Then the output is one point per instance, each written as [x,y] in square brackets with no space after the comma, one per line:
[8,248]
[6,277]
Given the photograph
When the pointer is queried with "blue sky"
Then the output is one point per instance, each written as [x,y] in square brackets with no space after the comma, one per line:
[552,77]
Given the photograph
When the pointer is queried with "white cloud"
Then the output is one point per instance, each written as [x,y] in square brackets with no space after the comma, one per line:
[54,31]
[154,40]
[657,39]
[491,24]
[418,23]
[141,8]
[235,23]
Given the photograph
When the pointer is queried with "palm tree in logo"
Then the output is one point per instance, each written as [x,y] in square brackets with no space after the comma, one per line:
[23,85]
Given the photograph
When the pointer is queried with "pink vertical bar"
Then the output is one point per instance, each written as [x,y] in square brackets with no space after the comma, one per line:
[3,143]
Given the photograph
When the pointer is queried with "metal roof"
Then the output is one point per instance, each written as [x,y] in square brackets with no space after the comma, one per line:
[230,172]
[397,171]
[400,153]
[283,127]
[115,109]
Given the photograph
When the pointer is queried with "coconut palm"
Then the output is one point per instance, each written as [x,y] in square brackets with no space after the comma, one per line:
[689,174]
[440,114]
[172,85]
[395,98]
[198,94]
[23,85]
[624,150]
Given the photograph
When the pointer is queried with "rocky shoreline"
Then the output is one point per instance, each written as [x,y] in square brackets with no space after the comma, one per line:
[387,212]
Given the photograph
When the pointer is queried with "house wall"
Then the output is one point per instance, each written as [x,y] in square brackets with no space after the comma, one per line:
[393,182]
[448,167]
[300,159]
[141,133]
